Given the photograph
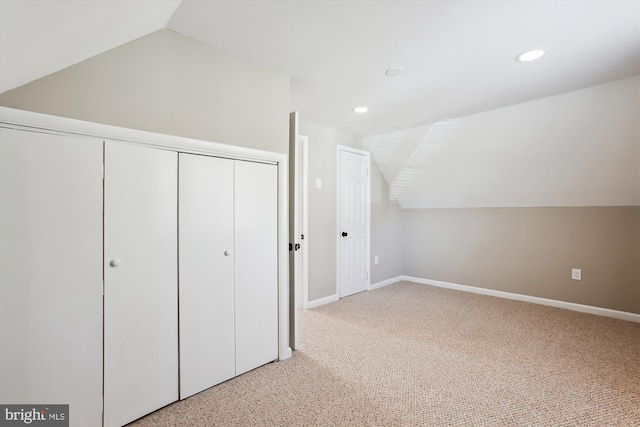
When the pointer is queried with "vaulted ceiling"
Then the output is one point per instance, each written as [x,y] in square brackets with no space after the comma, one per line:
[458,56]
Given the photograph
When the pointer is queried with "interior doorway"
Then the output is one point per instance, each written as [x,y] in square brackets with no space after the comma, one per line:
[298,226]
[354,211]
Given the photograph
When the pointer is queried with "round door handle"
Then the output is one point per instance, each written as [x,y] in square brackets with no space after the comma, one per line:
[227,253]
[115,262]
[344,234]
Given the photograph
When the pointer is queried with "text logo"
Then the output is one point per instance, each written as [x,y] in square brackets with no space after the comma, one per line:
[34,415]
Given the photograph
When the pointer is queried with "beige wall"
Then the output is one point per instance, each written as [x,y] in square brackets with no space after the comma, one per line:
[386,216]
[172,84]
[495,200]
[386,230]
[531,251]
[323,215]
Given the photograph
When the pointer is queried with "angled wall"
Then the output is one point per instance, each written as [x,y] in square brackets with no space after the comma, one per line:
[514,199]
[580,148]
[172,84]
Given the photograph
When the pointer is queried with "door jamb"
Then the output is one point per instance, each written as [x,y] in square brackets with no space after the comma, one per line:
[303,291]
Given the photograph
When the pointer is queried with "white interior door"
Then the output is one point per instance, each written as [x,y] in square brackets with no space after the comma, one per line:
[207,253]
[140,301]
[256,264]
[354,223]
[51,272]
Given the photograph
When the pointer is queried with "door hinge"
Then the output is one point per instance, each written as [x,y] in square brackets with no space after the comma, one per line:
[103,171]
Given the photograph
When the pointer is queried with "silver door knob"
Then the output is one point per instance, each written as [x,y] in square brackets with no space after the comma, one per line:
[227,253]
[114,262]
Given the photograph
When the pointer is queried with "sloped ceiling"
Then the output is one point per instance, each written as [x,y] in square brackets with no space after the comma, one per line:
[40,37]
[580,148]
[459,61]
[458,56]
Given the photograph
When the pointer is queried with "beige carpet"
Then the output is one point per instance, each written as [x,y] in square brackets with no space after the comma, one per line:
[415,355]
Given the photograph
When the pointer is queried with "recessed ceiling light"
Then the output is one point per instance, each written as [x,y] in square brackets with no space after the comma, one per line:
[395,71]
[531,55]
[361,110]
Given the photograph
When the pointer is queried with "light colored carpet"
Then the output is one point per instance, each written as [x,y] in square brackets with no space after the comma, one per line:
[415,355]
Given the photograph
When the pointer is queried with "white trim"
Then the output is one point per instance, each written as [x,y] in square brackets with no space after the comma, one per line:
[27,120]
[284,350]
[322,301]
[622,315]
[304,143]
[384,283]
[367,155]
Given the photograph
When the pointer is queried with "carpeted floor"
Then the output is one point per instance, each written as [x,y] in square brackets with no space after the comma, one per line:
[416,355]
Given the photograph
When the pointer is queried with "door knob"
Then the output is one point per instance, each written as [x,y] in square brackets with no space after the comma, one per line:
[227,253]
[114,262]
[344,234]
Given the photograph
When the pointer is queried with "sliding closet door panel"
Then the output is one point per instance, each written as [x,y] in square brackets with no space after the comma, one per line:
[207,253]
[51,272]
[141,307]
[256,279]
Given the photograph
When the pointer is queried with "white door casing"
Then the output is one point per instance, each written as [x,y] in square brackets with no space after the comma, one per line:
[206,259]
[302,221]
[51,272]
[294,258]
[140,300]
[298,230]
[353,221]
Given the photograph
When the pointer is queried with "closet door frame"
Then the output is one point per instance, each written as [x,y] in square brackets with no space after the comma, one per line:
[26,120]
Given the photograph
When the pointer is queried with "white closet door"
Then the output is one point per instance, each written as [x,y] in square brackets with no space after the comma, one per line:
[207,253]
[256,272]
[51,272]
[141,308]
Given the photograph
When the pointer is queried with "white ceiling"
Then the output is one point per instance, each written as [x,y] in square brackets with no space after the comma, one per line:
[458,55]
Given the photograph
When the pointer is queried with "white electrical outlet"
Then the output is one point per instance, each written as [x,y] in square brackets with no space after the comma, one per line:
[375,260]
[576,274]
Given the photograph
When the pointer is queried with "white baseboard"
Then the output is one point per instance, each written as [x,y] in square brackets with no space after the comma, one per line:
[385,283]
[623,315]
[321,301]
